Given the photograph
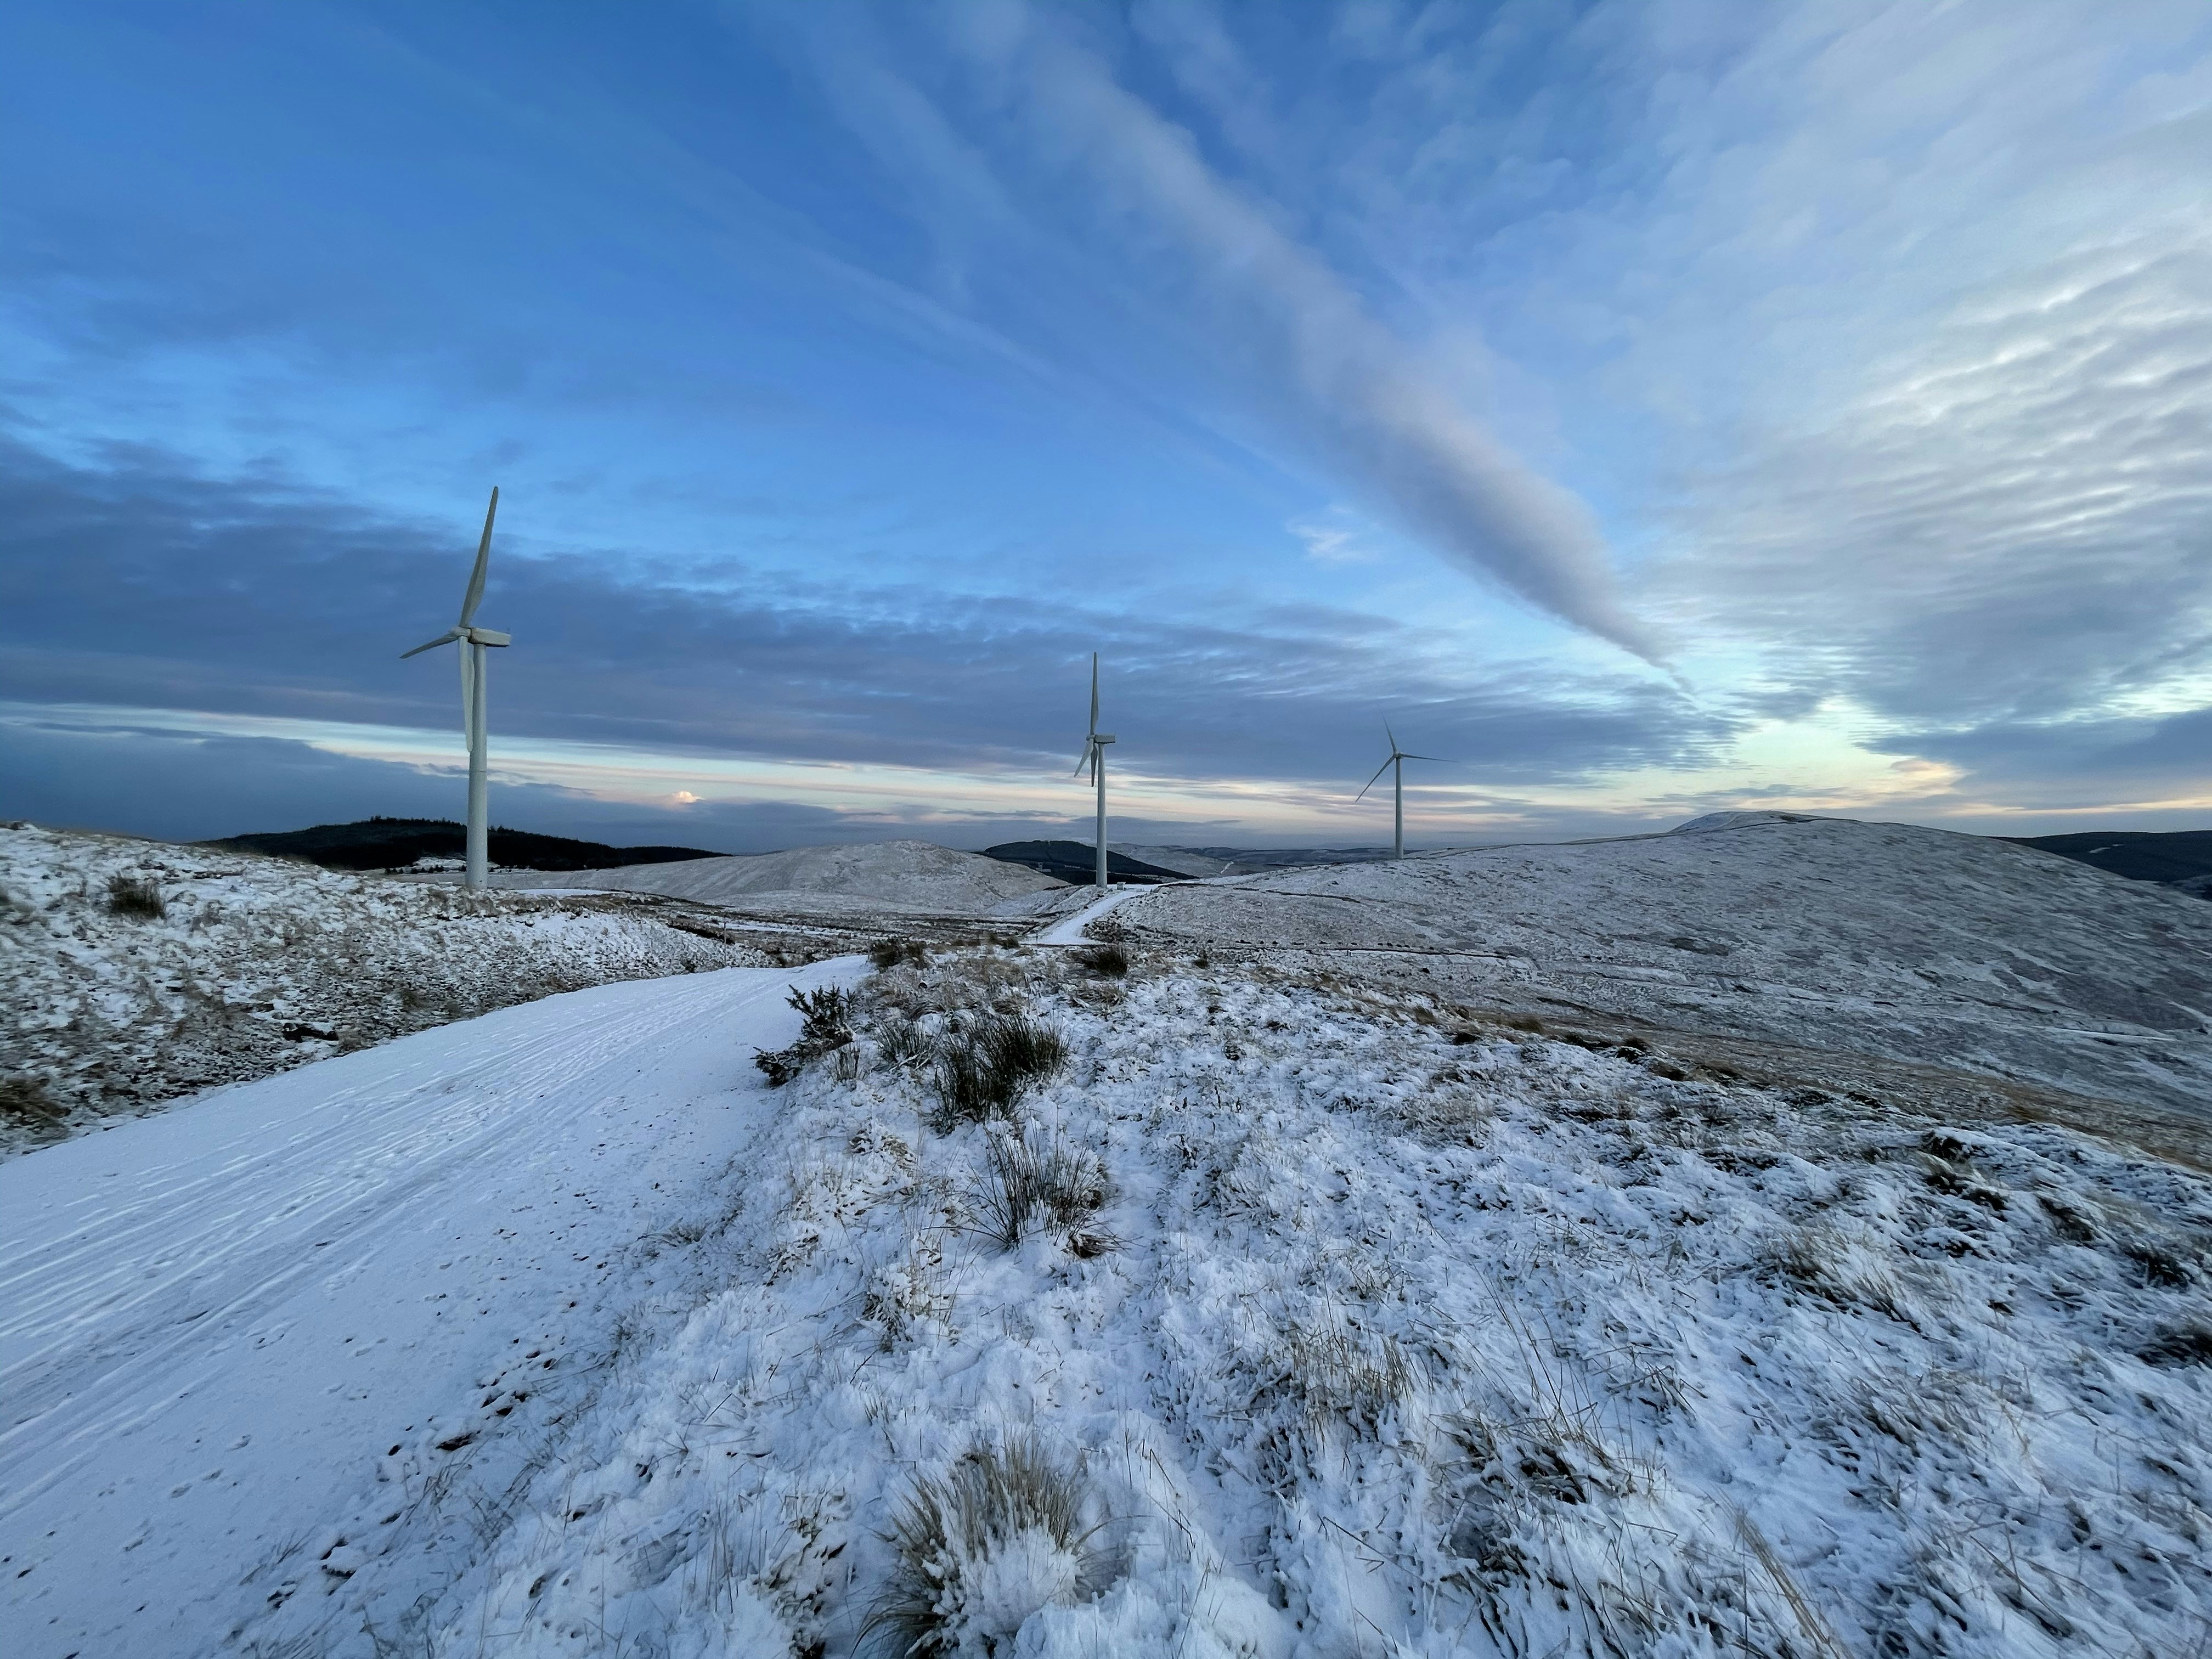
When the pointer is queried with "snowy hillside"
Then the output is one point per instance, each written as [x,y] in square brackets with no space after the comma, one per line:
[1283,1318]
[1916,944]
[888,876]
[137,971]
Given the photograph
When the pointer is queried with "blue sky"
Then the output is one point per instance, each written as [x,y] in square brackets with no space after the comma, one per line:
[1650,407]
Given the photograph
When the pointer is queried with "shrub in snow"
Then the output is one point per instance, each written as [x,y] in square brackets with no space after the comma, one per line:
[887,953]
[1000,1537]
[135,896]
[983,1067]
[825,1023]
[26,1101]
[824,1016]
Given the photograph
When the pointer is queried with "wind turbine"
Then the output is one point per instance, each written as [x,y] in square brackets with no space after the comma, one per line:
[1398,758]
[1094,757]
[472,640]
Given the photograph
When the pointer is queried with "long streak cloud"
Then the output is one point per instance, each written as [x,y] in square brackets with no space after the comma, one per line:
[1323,370]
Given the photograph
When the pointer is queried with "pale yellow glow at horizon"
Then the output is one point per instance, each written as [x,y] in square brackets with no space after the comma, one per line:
[1817,764]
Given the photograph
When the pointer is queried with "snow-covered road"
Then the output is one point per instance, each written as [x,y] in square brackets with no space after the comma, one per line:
[1068,930]
[216,1320]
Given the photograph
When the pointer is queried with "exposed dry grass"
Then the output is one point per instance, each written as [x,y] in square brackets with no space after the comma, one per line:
[1108,961]
[999,1514]
[901,1041]
[983,1067]
[1030,1185]
[135,896]
[1342,1375]
[26,1100]
[889,953]
[1842,1269]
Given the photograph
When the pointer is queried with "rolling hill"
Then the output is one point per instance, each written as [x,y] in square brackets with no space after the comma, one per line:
[2172,857]
[888,875]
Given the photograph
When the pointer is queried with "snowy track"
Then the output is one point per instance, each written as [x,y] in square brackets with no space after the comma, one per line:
[1068,930]
[217,1319]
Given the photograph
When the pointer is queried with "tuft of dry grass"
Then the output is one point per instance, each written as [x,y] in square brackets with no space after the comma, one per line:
[1345,1376]
[979,1549]
[1842,1268]
[887,953]
[1106,960]
[136,896]
[1453,1106]
[1029,1185]
[901,1041]
[984,1067]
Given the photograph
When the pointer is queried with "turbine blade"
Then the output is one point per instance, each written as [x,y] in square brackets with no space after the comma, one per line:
[468,695]
[1370,784]
[474,595]
[1438,758]
[1094,691]
[446,638]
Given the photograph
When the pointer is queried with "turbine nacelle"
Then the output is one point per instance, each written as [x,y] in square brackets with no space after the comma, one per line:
[472,636]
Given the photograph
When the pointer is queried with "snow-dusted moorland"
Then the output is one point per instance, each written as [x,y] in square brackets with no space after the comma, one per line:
[137,971]
[1918,945]
[884,877]
[1284,1316]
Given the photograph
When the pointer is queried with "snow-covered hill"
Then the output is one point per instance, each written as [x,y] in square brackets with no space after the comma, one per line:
[1336,1327]
[137,971]
[887,876]
[1916,944]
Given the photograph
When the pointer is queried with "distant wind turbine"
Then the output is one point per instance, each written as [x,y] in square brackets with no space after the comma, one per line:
[1094,757]
[1398,758]
[473,640]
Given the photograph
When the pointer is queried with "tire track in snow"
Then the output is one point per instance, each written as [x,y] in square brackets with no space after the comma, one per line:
[130,1304]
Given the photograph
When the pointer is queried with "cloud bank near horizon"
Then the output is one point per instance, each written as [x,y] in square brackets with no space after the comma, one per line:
[852,374]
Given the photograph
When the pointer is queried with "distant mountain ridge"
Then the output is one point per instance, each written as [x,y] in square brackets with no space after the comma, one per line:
[1077,861]
[2177,857]
[395,843]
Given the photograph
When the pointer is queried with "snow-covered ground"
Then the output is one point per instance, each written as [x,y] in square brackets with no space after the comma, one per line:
[883,877]
[1916,944]
[1385,1335]
[254,964]
[318,1295]
[1349,1318]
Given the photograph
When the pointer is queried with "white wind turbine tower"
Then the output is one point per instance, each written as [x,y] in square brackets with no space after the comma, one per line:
[1398,758]
[472,640]
[1094,757]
